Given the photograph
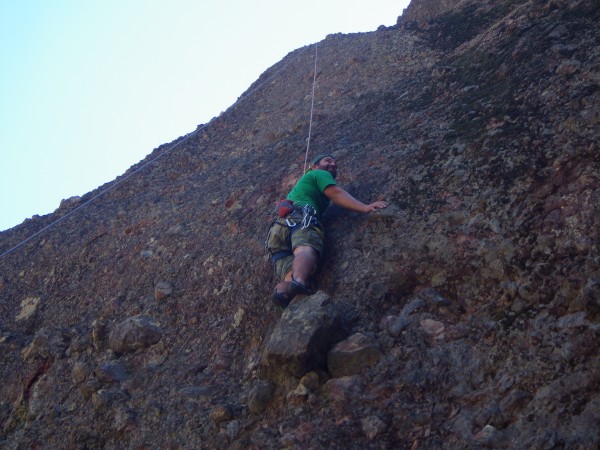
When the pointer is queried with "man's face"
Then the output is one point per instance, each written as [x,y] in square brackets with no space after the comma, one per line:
[328,164]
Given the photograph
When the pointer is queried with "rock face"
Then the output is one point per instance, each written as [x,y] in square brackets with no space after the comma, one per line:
[143,319]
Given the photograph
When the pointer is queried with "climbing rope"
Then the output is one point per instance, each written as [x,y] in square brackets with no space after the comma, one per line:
[312,107]
[167,151]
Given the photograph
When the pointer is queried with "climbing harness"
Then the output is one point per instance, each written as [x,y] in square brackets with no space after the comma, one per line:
[279,236]
[309,216]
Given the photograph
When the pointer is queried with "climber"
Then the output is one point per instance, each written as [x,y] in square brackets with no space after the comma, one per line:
[296,238]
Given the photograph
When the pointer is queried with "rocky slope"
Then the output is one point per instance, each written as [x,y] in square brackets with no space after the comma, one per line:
[466,315]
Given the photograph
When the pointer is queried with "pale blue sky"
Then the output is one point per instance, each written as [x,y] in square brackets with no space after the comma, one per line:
[89,88]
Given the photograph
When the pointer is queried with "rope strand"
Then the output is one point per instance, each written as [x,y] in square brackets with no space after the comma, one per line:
[118,182]
[312,106]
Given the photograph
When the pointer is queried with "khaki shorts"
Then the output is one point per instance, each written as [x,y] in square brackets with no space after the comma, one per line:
[312,236]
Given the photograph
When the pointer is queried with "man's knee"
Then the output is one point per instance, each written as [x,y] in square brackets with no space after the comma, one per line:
[306,250]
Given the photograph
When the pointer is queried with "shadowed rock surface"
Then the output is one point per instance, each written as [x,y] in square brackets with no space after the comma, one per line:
[142,320]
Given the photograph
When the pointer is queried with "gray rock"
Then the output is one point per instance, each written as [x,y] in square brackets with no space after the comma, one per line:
[341,390]
[124,419]
[592,292]
[395,325]
[260,396]
[433,297]
[47,343]
[111,371]
[80,372]
[163,290]
[232,429]
[568,67]
[412,306]
[221,414]
[38,402]
[307,330]
[491,437]
[106,398]
[352,355]
[574,320]
[311,381]
[559,32]
[134,333]
[372,426]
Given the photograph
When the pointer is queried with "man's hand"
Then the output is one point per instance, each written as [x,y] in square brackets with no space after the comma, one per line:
[376,205]
[342,198]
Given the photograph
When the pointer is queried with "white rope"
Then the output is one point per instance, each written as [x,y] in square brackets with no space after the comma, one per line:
[112,186]
[139,169]
[312,106]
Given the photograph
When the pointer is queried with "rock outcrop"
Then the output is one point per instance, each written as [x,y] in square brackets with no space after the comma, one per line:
[465,315]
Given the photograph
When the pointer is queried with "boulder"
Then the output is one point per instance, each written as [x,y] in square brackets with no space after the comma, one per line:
[47,343]
[260,396]
[111,371]
[352,355]
[134,333]
[307,330]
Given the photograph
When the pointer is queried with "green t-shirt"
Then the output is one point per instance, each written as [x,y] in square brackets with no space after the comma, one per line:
[310,190]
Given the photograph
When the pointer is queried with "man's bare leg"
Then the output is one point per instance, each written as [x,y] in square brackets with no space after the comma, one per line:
[305,260]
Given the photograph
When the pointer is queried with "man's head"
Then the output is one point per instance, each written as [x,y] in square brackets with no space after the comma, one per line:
[325,162]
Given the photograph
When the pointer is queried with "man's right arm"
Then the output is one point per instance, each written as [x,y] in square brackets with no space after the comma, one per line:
[342,198]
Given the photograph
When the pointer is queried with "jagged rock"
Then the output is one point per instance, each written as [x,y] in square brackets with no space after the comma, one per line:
[433,328]
[48,343]
[491,437]
[134,333]
[68,203]
[352,355]
[412,306]
[124,419]
[307,330]
[433,297]
[104,399]
[89,388]
[426,10]
[372,426]
[28,308]
[232,430]
[342,389]
[592,293]
[221,414]
[396,324]
[300,391]
[568,67]
[162,290]
[311,380]
[260,396]
[99,329]
[80,372]
[111,371]
[559,32]
[38,405]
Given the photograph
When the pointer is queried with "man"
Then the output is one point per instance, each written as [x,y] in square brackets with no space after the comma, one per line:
[297,253]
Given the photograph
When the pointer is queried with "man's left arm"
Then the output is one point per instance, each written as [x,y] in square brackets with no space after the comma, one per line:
[342,198]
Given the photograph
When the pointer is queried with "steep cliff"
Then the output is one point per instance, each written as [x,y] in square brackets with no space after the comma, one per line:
[465,315]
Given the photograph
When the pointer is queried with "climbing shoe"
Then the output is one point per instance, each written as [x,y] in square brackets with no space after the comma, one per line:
[281,299]
[297,288]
